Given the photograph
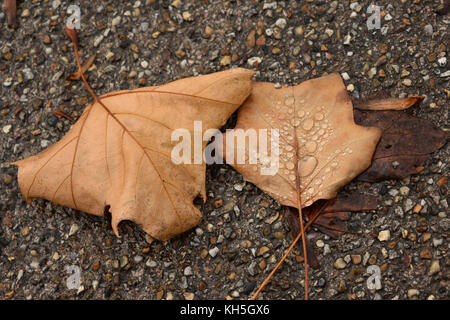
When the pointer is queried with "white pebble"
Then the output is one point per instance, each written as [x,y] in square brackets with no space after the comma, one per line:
[213,252]
[73,229]
[347,39]
[7,128]
[115,21]
[281,23]
[188,271]
[45,143]
[442,61]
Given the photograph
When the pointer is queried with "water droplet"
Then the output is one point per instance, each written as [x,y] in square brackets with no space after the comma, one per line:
[311,146]
[289,101]
[306,166]
[301,113]
[295,122]
[290,165]
[308,124]
[289,148]
[319,116]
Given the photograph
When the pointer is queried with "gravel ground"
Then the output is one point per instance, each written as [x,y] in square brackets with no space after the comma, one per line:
[243,234]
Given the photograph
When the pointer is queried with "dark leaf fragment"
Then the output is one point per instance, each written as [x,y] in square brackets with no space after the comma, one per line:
[406,143]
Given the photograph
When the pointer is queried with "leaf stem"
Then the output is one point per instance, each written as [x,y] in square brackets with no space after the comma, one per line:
[302,232]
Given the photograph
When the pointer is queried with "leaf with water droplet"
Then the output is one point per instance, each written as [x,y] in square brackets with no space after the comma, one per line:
[315,120]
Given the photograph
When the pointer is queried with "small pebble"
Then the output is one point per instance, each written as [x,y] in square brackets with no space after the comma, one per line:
[115,21]
[73,229]
[213,252]
[339,264]
[413,293]
[442,61]
[434,267]
[6,129]
[345,76]
[188,271]
[428,29]
[384,235]
[281,23]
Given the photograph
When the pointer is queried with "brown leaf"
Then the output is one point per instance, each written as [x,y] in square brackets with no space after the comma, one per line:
[405,144]
[120,155]
[332,149]
[387,103]
[335,214]
[86,65]
[10,9]
[353,202]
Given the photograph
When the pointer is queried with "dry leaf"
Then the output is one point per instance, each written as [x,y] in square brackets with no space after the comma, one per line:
[121,156]
[332,149]
[405,144]
[86,65]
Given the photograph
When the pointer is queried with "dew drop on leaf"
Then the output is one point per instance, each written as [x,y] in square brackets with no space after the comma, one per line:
[306,166]
[311,146]
[308,124]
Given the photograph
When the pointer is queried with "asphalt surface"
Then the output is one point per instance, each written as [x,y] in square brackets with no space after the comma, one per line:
[243,233]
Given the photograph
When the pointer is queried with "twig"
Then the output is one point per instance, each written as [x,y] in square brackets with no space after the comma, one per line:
[308,224]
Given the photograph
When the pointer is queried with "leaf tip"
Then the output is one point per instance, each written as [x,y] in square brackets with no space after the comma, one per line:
[115,227]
